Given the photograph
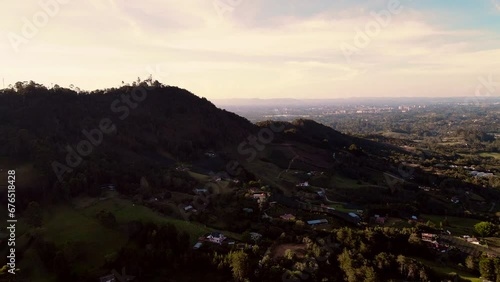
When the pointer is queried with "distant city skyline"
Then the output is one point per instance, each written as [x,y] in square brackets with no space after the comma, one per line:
[230,49]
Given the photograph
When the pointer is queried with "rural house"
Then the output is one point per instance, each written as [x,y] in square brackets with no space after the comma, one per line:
[216,237]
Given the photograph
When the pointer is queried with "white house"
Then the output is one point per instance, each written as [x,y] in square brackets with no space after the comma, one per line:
[216,237]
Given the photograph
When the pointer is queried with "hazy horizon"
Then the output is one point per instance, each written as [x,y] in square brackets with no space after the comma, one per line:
[256,49]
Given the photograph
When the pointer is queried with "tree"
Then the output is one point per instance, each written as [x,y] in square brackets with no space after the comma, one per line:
[423,275]
[383,261]
[240,265]
[370,274]
[255,249]
[412,269]
[487,268]
[496,262]
[346,265]
[470,263]
[414,239]
[353,147]
[106,217]
[446,222]
[289,254]
[145,189]
[62,267]
[33,214]
[246,237]
[402,261]
[485,229]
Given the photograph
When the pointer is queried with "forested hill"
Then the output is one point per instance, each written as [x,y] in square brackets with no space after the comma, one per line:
[322,136]
[37,123]
[119,135]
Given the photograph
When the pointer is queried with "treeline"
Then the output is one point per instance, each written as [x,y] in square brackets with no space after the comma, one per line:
[152,251]
[162,253]
[373,254]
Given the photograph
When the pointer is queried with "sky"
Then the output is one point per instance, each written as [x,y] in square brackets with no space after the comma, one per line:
[258,48]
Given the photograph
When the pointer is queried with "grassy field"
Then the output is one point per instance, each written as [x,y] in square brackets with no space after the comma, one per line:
[339,181]
[200,177]
[218,187]
[397,223]
[63,226]
[268,173]
[493,243]
[397,135]
[490,154]
[476,197]
[457,225]
[77,224]
[125,211]
[340,207]
[66,225]
[482,154]
[444,269]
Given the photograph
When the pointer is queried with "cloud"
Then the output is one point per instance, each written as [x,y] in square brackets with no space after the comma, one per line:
[255,50]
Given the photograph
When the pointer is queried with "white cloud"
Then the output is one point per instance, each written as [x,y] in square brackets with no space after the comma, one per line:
[99,44]
[496,4]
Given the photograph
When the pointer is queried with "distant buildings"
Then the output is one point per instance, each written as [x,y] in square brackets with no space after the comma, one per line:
[481,174]
[260,197]
[287,217]
[429,237]
[317,222]
[377,219]
[425,188]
